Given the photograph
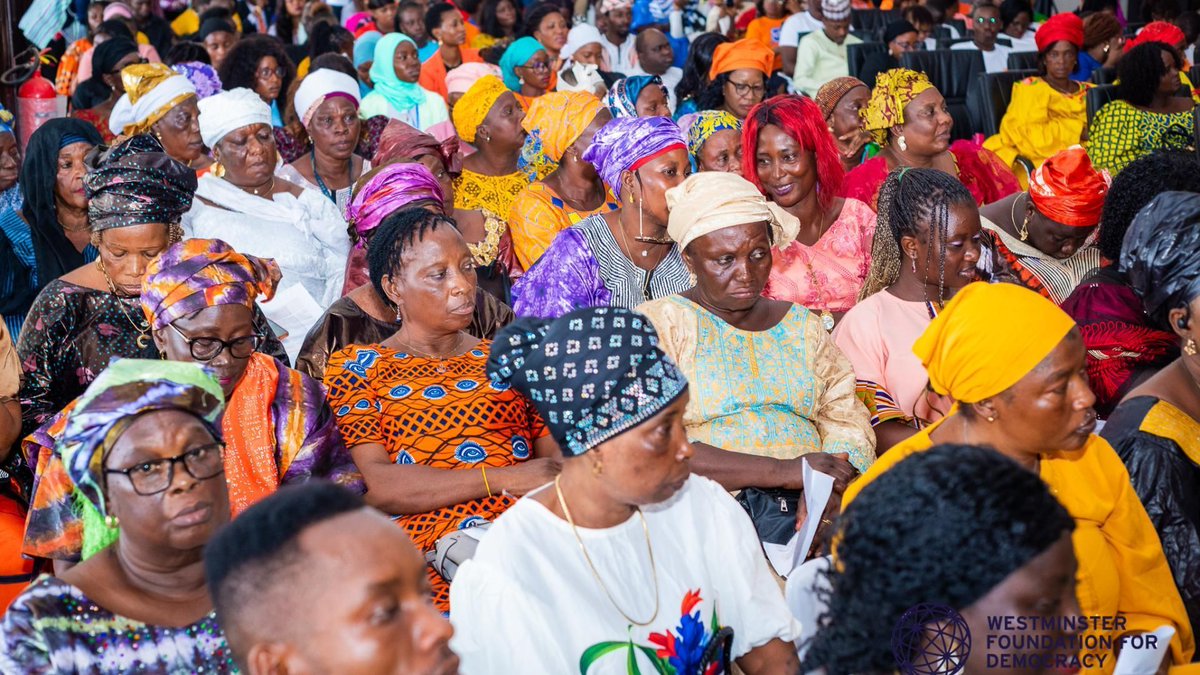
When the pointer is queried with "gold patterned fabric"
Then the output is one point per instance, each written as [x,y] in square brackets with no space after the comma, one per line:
[151,91]
[894,89]
[475,191]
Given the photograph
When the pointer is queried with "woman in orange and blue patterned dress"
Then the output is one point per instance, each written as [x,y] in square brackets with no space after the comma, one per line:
[440,446]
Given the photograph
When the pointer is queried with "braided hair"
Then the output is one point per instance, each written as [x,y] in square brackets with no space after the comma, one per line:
[944,526]
[911,200]
[395,235]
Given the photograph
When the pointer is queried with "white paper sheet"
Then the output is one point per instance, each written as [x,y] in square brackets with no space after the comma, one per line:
[1139,659]
[818,487]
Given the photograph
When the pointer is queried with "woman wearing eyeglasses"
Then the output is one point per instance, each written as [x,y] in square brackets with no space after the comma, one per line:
[737,77]
[259,62]
[199,300]
[527,70]
[139,454]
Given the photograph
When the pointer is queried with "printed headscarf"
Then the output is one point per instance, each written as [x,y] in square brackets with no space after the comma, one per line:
[607,6]
[626,143]
[402,95]
[987,338]
[387,189]
[707,123]
[554,121]
[475,105]
[518,54]
[6,120]
[832,92]
[202,76]
[195,274]
[401,142]
[622,98]
[592,374]
[122,392]
[1068,190]
[894,89]
[151,91]
[1161,254]
[137,182]
[714,200]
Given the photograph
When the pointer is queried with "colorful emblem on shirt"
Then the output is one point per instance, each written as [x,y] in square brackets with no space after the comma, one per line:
[688,650]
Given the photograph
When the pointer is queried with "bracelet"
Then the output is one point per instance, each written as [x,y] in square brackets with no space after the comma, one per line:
[483,470]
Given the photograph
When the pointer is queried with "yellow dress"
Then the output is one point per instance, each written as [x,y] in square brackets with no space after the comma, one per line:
[1039,123]
[1122,568]
[475,191]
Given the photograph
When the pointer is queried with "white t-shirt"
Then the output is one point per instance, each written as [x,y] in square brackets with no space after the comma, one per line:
[995,61]
[801,22]
[528,602]
[622,58]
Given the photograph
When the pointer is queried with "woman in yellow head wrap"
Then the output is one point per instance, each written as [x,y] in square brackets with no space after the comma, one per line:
[1014,364]
[561,126]
[907,117]
[163,103]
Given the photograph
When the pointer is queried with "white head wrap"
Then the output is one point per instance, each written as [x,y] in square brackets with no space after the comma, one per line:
[320,85]
[580,35]
[126,113]
[229,111]
[716,200]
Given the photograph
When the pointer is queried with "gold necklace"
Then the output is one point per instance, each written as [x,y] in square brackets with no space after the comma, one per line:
[270,187]
[1023,232]
[143,328]
[441,366]
[595,573]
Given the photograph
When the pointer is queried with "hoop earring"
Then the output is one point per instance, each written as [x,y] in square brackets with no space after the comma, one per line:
[903,144]
[692,280]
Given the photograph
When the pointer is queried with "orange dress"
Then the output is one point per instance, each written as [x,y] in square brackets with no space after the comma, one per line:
[456,420]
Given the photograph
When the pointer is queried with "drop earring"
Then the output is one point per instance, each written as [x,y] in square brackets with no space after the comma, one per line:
[914,264]
[903,144]
[1189,347]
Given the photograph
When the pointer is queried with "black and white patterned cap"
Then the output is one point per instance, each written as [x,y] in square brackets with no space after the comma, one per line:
[592,374]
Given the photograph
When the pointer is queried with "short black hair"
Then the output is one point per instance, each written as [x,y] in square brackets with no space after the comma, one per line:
[255,550]
[1189,23]
[533,18]
[114,28]
[433,15]
[943,526]
[1141,70]
[238,69]
[1137,184]
[918,15]
[186,51]
[327,38]
[398,232]
[1167,10]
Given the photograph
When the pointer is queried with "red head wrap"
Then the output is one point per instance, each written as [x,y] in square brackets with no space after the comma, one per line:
[1158,31]
[1065,26]
[1068,190]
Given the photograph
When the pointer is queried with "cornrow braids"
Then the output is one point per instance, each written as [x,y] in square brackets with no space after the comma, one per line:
[912,199]
[396,234]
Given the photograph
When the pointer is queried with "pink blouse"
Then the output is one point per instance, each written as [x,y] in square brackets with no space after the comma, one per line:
[839,262]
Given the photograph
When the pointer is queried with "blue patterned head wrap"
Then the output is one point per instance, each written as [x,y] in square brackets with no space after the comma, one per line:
[592,374]
[621,144]
[622,98]
[517,54]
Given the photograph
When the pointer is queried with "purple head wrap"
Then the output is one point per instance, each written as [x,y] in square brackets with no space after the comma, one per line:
[202,76]
[626,143]
[389,189]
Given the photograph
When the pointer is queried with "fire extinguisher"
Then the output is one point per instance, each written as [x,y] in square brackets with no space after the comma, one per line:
[37,102]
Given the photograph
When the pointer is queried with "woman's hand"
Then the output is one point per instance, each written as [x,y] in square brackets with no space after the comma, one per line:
[520,479]
[839,467]
[851,144]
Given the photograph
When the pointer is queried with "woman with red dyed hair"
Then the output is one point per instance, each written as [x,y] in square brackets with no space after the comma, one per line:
[791,157]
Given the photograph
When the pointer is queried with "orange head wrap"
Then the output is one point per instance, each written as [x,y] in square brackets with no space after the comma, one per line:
[1068,190]
[730,56]
[1065,26]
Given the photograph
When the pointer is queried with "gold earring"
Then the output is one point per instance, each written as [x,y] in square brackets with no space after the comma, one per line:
[1189,348]
[1024,231]
[991,418]
[597,468]
[914,264]
[111,522]
[902,143]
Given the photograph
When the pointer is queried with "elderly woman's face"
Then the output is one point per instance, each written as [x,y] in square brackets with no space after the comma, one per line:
[652,180]
[1050,409]
[268,78]
[1060,60]
[731,266]
[744,90]
[721,152]
[1043,587]
[788,172]
[201,334]
[10,160]
[845,118]
[502,125]
[650,462]
[248,155]
[334,127]
[179,131]
[536,71]
[435,285]
[927,124]
[963,245]
[188,499]
[592,53]
[652,102]
[68,182]
[127,251]
[406,63]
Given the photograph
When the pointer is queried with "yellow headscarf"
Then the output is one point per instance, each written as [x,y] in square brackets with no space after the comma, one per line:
[475,104]
[559,118]
[989,337]
[151,91]
[894,89]
[714,200]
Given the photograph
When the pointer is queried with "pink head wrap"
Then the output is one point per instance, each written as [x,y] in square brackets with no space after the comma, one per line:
[389,189]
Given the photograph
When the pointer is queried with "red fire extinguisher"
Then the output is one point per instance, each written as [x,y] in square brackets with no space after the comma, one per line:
[36,102]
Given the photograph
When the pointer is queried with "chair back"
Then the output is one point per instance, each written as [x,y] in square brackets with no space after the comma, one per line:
[990,97]
[857,55]
[1022,61]
[869,24]
[1104,75]
[953,72]
[1097,96]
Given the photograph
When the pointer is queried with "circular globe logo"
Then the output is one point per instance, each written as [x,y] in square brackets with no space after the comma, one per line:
[931,639]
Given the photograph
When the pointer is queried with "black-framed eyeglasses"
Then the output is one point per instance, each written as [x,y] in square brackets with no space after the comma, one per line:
[207,348]
[277,71]
[155,476]
[742,88]
[539,66]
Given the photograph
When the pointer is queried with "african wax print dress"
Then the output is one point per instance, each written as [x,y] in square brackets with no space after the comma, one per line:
[54,628]
[1122,133]
[456,420]
[539,214]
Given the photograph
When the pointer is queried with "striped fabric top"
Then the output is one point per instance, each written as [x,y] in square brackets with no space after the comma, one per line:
[1054,278]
